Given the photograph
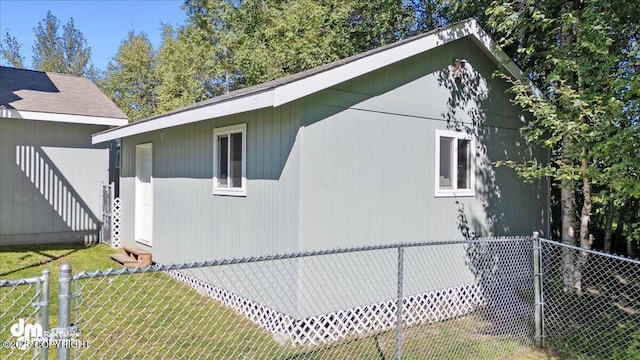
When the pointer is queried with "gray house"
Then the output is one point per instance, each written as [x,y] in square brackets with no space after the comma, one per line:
[397,144]
[50,173]
[392,145]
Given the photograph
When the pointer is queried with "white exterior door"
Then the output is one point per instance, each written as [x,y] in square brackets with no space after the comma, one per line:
[144,193]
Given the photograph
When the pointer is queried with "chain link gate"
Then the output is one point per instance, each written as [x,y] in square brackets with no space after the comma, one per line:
[106,229]
[111,214]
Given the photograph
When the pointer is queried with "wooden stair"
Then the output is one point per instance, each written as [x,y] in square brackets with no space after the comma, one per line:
[133,257]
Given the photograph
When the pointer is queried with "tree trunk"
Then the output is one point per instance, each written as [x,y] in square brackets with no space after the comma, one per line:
[630,250]
[586,239]
[633,209]
[608,226]
[226,81]
[621,219]
[567,193]
[567,201]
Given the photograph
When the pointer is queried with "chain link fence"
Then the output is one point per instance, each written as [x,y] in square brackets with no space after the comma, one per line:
[478,299]
[591,303]
[24,316]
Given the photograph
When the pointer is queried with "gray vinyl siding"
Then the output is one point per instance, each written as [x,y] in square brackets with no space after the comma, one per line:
[50,182]
[192,224]
[368,157]
[352,165]
[367,174]
[189,222]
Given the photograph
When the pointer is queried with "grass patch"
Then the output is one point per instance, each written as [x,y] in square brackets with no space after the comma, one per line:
[28,261]
[601,323]
[151,315]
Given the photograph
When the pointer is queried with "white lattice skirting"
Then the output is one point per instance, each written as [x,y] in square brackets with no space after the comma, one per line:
[424,308]
[115,223]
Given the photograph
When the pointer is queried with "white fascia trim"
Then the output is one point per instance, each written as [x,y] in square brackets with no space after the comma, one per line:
[303,87]
[246,103]
[63,118]
[492,49]
[297,89]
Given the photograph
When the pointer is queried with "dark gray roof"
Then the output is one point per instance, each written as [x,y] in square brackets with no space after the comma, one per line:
[28,90]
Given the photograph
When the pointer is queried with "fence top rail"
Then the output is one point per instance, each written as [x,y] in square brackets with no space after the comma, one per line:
[303,254]
[590,251]
[23,281]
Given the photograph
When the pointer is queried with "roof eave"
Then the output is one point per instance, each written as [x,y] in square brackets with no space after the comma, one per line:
[240,104]
[62,118]
[299,88]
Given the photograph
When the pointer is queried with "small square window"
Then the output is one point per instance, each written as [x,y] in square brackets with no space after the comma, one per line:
[229,160]
[454,164]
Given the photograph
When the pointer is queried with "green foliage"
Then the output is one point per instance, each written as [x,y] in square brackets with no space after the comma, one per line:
[67,53]
[632,351]
[431,14]
[583,55]
[75,51]
[258,41]
[187,69]
[47,49]
[375,23]
[10,51]
[131,80]
[284,38]
[226,45]
[583,343]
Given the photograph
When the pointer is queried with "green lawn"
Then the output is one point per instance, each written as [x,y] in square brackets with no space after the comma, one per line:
[21,261]
[154,316]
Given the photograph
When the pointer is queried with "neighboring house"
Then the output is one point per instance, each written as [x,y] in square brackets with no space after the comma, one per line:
[50,173]
[397,144]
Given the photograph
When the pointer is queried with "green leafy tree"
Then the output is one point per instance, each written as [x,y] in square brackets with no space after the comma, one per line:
[76,53]
[64,53]
[278,38]
[187,69]
[10,50]
[431,14]
[579,53]
[130,79]
[371,24]
[226,45]
[47,52]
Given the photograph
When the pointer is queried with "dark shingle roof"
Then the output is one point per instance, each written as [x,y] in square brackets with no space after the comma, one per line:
[28,90]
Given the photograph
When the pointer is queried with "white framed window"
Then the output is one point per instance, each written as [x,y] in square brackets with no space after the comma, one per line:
[455,173]
[230,160]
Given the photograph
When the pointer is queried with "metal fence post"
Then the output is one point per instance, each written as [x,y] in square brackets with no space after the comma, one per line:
[64,311]
[44,311]
[399,303]
[539,299]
